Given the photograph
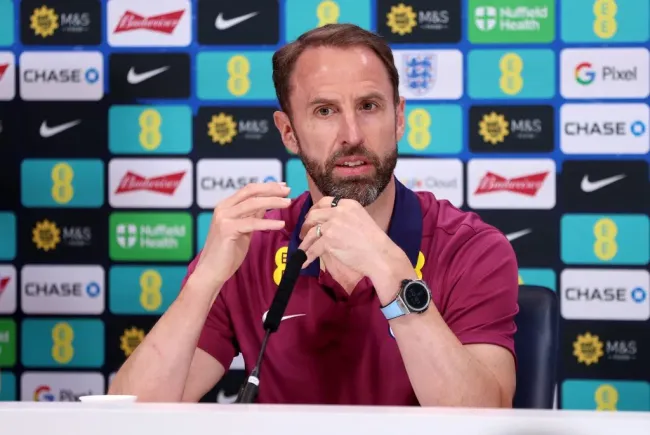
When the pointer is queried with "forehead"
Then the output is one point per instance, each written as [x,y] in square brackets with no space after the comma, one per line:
[323,68]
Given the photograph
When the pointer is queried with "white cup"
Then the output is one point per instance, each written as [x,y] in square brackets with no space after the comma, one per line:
[115,399]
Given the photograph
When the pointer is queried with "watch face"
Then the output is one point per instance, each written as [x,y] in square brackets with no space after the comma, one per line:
[416,296]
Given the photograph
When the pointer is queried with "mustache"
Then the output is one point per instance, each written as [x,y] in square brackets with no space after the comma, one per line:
[358,150]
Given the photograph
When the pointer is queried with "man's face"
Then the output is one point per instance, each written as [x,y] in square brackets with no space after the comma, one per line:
[344,122]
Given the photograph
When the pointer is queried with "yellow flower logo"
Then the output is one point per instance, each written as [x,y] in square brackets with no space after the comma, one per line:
[46,235]
[493,128]
[44,21]
[222,129]
[401,19]
[588,349]
[131,339]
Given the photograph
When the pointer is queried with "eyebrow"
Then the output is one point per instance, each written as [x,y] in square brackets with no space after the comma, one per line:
[369,96]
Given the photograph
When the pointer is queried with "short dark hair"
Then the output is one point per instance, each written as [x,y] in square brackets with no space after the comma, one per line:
[330,35]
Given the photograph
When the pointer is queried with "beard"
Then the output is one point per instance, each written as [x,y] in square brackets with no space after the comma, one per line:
[364,189]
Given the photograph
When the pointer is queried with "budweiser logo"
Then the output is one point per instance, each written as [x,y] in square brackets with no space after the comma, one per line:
[165,184]
[3,69]
[3,284]
[527,185]
[165,23]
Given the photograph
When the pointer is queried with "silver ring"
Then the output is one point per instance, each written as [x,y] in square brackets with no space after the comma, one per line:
[318,231]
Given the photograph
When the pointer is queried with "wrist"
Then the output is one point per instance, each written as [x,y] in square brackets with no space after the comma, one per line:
[204,282]
[391,271]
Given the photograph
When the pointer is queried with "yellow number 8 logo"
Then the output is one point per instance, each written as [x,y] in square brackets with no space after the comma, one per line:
[606,397]
[62,190]
[150,285]
[419,122]
[150,122]
[511,66]
[238,69]
[605,246]
[605,25]
[62,349]
[328,12]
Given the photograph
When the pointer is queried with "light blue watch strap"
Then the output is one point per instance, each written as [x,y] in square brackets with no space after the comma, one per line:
[393,310]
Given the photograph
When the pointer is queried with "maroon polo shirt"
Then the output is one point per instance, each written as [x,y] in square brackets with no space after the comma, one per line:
[335,348]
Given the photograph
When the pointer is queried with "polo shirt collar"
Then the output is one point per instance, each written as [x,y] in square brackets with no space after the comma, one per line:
[404,229]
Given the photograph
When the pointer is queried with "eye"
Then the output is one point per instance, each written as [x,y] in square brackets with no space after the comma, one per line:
[368,106]
[324,111]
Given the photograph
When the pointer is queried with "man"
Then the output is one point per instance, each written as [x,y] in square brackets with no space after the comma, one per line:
[347,337]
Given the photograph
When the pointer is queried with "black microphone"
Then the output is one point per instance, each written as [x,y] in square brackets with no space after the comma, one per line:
[248,392]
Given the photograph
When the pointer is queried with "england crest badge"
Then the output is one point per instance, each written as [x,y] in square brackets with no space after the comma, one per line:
[420,72]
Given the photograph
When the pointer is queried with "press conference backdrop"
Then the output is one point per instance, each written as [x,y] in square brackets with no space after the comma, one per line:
[122,124]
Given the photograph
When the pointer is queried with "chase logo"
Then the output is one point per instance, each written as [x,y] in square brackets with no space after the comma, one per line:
[597,239]
[139,290]
[62,343]
[6,25]
[62,289]
[600,395]
[235,75]
[7,236]
[163,129]
[604,21]
[304,15]
[511,74]
[56,76]
[432,129]
[77,183]
[598,294]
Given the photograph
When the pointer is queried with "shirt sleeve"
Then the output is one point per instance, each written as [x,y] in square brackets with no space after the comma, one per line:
[483,302]
[217,337]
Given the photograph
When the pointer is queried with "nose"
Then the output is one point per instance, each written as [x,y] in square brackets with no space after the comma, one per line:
[350,132]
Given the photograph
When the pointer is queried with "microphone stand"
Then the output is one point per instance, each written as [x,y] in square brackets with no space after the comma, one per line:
[248,393]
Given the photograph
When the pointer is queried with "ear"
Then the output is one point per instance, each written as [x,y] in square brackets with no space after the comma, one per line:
[400,121]
[283,124]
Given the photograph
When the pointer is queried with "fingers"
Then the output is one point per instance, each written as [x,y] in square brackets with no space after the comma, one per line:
[314,250]
[255,189]
[313,245]
[313,218]
[256,206]
[248,225]
[309,238]
[326,202]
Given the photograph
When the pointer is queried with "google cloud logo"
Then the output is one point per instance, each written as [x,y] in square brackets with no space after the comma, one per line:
[584,73]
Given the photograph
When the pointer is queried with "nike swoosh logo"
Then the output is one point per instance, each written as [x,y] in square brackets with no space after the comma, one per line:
[518,234]
[284,318]
[222,398]
[223,24]
[136,78]
[591,186]
[47,131]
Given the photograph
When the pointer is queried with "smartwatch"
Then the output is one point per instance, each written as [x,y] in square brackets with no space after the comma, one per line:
[414,296]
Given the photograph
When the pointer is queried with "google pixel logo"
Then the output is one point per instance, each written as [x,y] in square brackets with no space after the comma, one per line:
[584,74]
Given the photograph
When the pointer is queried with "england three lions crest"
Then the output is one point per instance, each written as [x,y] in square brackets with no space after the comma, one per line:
[420,72]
